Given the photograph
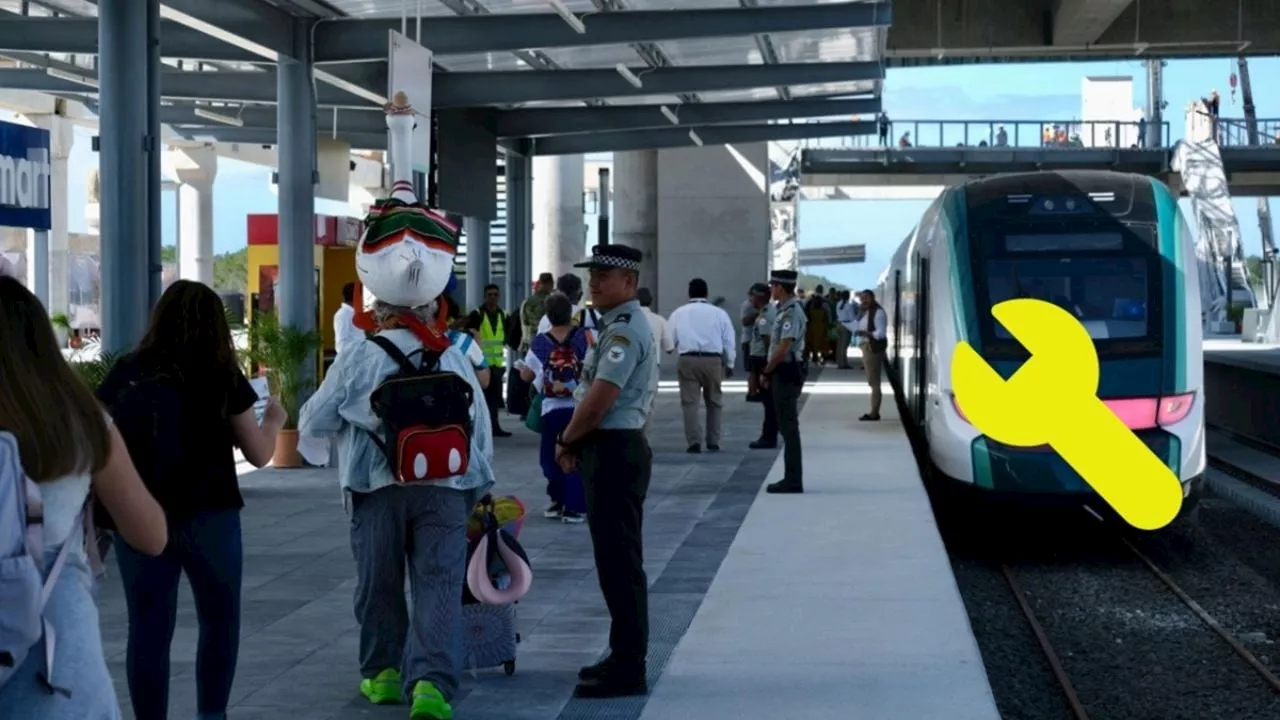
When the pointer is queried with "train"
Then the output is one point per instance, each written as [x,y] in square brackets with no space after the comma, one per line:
[1111,248]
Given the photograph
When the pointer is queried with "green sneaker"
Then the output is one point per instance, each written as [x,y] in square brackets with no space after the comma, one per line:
[383,689]
[429,704]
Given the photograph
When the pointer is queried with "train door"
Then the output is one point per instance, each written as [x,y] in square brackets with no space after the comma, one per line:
[897,322]
[921,341]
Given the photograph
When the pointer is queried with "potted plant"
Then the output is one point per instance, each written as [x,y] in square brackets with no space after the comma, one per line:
[282,353]
[61,327]
[92,364]
[1235,315]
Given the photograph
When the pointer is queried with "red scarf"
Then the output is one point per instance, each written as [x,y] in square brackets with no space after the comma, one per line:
[431,335]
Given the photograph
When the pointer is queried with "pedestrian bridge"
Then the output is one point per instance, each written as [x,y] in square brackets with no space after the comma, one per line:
[946,152]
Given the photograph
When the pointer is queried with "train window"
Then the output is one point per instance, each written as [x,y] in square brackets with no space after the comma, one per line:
[1109,295]
[1063,242]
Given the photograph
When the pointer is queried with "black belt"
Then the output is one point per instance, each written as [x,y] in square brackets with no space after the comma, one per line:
[701,354]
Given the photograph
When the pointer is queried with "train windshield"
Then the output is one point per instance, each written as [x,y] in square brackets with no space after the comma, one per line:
[1106,276]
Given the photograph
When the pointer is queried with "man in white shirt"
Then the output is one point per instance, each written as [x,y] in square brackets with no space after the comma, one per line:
[707,342]
[871,335]
[345,333]
[846,323]
[584,317]
[661,341]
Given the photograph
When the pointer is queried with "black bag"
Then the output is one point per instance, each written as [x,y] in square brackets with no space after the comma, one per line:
[426,418]
[148,413]
[513,331]
[519,394]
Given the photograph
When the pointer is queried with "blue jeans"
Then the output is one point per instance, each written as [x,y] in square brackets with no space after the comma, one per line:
[209,549]
[563,488]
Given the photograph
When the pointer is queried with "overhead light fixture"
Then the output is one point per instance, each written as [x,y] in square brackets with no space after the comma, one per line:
[567,15]
[72,77]
[627,75]
[218,117]
[694,137]
[670,115]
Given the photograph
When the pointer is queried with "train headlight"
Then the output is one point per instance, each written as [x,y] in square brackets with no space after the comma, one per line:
[956,405]
[1174,408]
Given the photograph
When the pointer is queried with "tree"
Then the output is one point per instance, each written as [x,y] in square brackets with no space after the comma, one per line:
[1253,269]
[808,282]
[231,271]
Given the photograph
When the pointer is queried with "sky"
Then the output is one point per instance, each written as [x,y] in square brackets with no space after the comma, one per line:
[999,92]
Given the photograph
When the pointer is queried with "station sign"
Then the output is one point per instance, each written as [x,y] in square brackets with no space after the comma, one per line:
[24,177]
[840,255]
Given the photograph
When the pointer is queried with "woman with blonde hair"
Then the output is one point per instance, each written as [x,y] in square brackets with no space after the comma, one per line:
[70,448]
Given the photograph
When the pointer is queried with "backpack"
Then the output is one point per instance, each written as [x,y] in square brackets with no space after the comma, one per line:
[562,371]
[148,413]
[426,418]
[24,588]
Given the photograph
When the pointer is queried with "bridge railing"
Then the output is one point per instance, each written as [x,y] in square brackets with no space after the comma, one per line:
[1234,132]
[1057,134]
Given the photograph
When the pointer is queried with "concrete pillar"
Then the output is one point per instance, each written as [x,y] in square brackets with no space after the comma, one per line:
[635,210]
[38,265]
[519,229]
[296,130]
[559,229]
[478,259]
[62,137]
[196,168]
[123,66]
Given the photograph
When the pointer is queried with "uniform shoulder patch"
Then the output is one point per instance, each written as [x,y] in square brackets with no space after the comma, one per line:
[616,353]
[619,340]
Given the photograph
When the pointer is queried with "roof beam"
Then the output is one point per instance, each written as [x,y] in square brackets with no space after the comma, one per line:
[267,136]
[79,36]
[248,86]
[252,25]
[463,89]
[679,137]
[353,40]
[1082,22]
[264,118]
[559,121]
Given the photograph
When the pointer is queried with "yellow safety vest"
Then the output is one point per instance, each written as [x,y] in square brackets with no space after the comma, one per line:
[492,337]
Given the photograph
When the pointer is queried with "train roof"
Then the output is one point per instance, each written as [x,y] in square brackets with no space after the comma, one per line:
[1123,193]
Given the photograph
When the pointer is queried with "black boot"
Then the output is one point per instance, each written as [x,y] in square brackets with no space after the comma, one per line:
[763,444]
[612,678]
[785,487]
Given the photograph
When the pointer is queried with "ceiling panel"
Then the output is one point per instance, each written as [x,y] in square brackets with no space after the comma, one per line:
[714,51]
[846,45]
[634,100]
[853,87]
[680,4]
[390,8]
[481,62]
[595,56]
[745,95]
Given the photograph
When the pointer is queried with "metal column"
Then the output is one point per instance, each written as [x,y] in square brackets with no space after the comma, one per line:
[519,229]
[155,176]
[478,259]
[123,57]
[296,139]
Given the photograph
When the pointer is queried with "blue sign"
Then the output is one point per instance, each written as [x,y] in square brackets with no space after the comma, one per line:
[24,177]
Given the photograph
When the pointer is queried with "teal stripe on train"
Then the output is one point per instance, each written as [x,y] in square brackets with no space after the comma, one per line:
[955,218]
[1172,242]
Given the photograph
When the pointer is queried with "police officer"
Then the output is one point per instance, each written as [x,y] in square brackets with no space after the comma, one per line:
[784,376]
[605,440]
[759,335]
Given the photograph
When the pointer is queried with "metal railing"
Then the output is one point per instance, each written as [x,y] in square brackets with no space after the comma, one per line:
[1234,132]
[1056,134]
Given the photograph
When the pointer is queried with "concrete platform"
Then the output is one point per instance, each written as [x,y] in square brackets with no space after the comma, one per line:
[839,603]
[1242,388]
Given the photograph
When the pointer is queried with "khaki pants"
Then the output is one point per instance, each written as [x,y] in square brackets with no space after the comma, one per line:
[871,360]
[700,376]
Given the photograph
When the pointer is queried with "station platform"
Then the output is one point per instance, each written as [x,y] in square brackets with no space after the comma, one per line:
[1242,388]
[839,603]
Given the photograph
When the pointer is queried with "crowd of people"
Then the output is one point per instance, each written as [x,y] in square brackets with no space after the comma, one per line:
[585,377]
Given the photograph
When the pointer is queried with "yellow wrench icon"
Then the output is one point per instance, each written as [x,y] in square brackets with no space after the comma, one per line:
[1053,400]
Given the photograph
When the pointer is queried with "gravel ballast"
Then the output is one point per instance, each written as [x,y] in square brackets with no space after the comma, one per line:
[1129,646]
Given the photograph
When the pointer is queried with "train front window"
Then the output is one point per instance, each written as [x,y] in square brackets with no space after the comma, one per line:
[1105,274]
[1107,295]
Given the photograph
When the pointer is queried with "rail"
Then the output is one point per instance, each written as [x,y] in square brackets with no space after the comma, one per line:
[1041,134]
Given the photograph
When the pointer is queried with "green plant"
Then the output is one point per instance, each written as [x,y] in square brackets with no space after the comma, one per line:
[60,320]
[1235,313]
[283,353]
[92,368]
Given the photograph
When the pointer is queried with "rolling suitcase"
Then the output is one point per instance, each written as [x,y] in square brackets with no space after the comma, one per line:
[489,637]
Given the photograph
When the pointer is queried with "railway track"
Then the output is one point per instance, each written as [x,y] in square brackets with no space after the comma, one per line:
[1056,664]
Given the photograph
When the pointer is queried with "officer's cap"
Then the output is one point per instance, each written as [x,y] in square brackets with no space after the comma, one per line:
[784,277]
[606,257]
[759,289]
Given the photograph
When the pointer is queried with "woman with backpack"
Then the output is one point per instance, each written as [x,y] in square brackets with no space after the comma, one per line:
[183,405]
[554,366]
[67,446]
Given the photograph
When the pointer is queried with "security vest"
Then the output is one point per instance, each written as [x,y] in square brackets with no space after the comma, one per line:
[493,334]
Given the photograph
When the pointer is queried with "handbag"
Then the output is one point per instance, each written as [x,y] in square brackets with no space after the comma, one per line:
[533,420]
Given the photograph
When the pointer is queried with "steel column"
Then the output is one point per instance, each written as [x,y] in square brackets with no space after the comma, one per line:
[155,176]
[296,158]
[123,58]
[478,259]
[519,208]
